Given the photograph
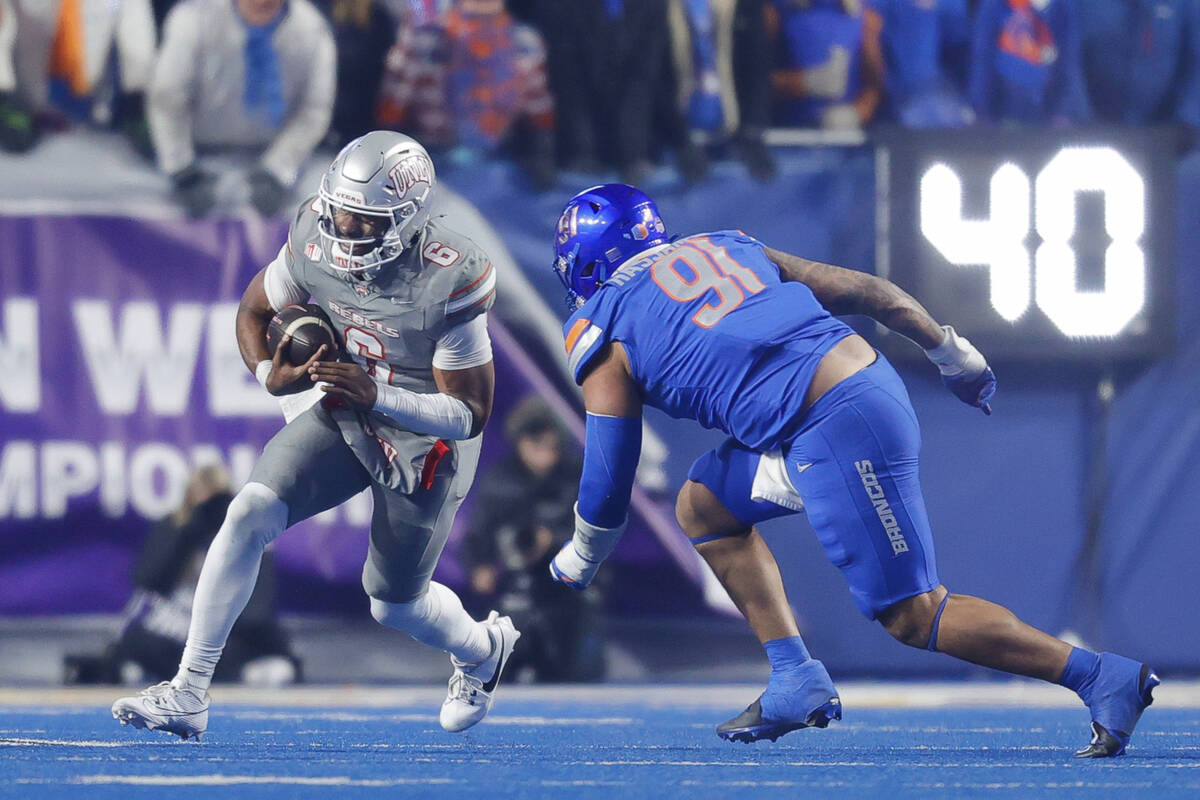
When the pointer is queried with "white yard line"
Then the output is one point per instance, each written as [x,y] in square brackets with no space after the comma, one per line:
[1012,694]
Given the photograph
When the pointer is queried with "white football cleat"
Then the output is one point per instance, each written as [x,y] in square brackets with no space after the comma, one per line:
[165,707]
[472,686]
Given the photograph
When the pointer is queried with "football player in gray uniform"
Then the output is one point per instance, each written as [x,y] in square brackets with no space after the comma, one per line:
[402,415]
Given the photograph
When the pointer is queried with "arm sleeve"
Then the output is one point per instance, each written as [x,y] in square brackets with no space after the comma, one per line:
[282,289]
[306,126]
[168,101]
[464,346]
[610,458]
[436,414]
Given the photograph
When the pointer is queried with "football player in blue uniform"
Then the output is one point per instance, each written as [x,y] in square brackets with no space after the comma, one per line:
[719,328]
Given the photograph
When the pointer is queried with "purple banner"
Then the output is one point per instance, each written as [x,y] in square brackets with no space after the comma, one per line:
[119,374]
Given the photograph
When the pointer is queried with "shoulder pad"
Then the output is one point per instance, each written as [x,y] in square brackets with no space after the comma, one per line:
[585,336]
[303,228]
[468,275]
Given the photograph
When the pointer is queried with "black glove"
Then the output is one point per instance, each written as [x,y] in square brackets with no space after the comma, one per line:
[131,119]
[196,190]
[266,192]
[17,131]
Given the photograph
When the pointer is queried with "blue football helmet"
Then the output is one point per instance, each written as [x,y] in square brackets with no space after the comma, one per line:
[600,229]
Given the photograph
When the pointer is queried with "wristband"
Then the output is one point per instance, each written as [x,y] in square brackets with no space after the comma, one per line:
[594,543]
[263,371]
[956,356]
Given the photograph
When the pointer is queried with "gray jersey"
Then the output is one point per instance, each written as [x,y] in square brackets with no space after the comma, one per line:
[390,326]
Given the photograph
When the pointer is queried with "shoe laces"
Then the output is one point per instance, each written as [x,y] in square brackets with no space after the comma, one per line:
[465,687]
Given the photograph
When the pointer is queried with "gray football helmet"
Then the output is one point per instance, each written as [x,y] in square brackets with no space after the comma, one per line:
[383,174]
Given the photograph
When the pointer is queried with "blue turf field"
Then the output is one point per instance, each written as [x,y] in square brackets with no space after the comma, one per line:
[542,748]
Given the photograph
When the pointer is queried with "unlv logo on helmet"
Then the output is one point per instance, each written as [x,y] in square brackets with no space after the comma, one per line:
[415,169]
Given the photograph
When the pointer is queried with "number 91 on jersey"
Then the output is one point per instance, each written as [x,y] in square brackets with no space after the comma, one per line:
[1036,244]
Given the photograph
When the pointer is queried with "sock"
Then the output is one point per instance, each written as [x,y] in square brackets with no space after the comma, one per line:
[786,653]
[438,619]
[1080,673]
[254,518]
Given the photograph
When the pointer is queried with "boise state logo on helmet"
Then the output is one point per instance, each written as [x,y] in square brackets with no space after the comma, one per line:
[599,229]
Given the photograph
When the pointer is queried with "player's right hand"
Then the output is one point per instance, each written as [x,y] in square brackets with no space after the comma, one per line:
[286,378]
[572,569]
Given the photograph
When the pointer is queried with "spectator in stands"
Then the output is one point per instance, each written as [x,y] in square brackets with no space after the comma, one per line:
[829,70]
[1025,63]
[1141,61]
[926,46]
[363,31]
[17,132]
[254,75]
[473,83]
[607,96]
[156,616]
[722,74]
[82,63]
[522,515]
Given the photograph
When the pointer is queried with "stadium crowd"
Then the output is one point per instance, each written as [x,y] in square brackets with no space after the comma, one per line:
[472,79]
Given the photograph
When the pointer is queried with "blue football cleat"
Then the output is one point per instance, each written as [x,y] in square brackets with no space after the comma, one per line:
[801,698]
[1117,698]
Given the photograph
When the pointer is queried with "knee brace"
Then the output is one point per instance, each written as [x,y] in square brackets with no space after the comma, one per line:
[255,516]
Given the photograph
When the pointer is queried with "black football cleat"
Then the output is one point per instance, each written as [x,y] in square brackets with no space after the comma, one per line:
[749,726]
[1121,693]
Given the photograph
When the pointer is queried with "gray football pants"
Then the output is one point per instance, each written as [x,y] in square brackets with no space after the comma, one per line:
[311,468]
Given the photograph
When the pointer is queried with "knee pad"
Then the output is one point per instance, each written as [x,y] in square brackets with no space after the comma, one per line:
[256,513]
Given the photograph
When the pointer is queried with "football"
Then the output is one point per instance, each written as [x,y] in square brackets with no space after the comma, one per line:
[309,328]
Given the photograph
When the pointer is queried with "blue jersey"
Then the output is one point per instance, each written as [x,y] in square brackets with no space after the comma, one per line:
[712,334]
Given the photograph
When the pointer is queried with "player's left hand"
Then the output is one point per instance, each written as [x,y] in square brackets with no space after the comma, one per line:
[976,392]
[964,369]
[349,382]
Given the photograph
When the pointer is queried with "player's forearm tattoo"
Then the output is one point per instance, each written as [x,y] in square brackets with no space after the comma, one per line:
[846,291]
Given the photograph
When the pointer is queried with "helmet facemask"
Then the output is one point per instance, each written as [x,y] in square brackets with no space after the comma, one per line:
[387,178]
[364,257]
